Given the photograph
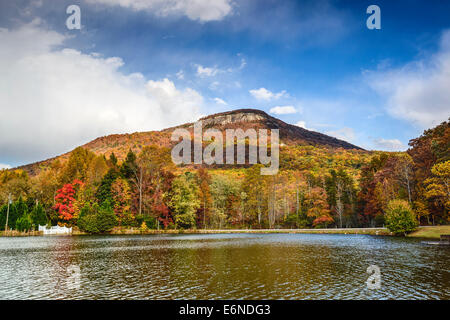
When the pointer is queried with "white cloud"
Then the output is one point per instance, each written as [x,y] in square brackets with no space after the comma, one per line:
[388,144]
[283,110]
[220,101]
[301,124]
[180,75]
[419,92]
[243,64]
[4,166]
[346,134]
[200,10]
[264,94]
[52,100]
[207,71]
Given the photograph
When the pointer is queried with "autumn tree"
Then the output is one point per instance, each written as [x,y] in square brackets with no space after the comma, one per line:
[14,182]
[77,166]
[370,188]
[185,200]
[46,184]
[340,193]
[430,148]
[204,181]
[96,170]
[254,186]
[65,199]
[316,202]
[121,197]
[152,179]
[437,188]
[224,190]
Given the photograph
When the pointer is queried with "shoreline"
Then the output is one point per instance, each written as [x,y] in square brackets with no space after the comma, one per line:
[374,231]
[426,232]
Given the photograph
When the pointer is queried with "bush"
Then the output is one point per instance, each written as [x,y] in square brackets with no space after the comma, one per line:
[106,219]
[23,223]
[86,219]
[150,221]
[399,218]
[95,219]
[144,227]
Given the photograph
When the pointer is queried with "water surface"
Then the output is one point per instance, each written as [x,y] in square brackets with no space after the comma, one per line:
[221,266]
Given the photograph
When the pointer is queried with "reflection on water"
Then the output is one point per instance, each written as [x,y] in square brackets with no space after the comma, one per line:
[225,266]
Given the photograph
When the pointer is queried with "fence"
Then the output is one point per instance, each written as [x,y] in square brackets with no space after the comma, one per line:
[55,230]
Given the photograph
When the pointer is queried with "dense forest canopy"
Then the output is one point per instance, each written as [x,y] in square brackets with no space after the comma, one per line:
[316,187]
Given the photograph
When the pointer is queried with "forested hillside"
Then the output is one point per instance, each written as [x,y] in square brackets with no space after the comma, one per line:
[322,182]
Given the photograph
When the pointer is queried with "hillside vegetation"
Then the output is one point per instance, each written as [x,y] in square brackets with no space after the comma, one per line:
[131,181]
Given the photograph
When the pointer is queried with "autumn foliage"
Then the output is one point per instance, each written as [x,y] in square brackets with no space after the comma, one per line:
[316,187]
[65,200]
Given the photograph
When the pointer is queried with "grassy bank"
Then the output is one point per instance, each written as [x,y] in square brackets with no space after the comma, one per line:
[433,232]
[15,233]
[373,231]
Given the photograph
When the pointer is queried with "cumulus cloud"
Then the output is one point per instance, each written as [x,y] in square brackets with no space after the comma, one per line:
[264,94]
[388,144]
[283,110]
[346,134]
[418,92]
[198,10]
[53,99]
[301,124]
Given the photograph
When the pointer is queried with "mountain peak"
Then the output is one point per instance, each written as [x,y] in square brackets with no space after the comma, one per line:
[258,119]
[236,119]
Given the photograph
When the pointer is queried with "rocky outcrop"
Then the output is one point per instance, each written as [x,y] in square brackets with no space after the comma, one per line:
[232,118]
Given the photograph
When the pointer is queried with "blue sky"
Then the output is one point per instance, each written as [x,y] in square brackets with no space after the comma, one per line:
[148,64]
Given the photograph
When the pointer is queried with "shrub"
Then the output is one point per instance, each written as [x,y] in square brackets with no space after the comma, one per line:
[144,227]
[95,219]
[23,223]
[399,218]
[86,219]
[150,221]
[105,218]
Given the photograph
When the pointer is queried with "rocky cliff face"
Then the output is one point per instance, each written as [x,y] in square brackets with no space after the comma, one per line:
[223,119]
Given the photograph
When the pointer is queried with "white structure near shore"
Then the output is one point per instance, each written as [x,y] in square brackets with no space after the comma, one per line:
[56,230]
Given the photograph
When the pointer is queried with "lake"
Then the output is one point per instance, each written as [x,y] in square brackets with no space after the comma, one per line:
[221,266]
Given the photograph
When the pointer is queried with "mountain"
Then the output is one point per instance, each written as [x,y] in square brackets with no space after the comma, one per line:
[241,118]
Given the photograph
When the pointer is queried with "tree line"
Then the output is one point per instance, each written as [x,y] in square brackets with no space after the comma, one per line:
[315,188]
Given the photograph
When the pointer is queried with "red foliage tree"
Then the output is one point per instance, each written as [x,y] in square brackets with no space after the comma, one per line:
[65,199]
[323,220]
